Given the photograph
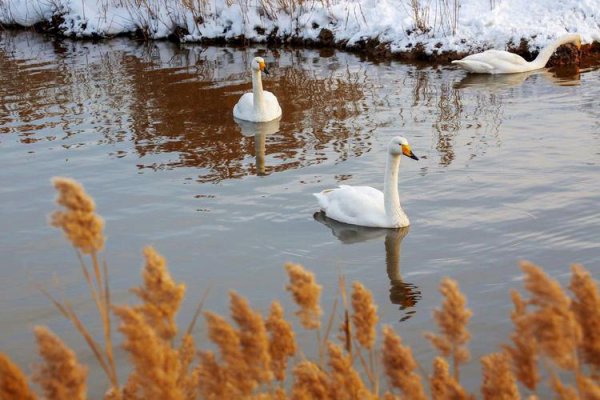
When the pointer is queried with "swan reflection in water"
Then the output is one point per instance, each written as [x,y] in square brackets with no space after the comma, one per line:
[560,77]
[405,294]
[259,130]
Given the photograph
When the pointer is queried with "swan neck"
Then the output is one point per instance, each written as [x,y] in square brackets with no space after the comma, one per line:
[390,188]
[545,54]
[257,90]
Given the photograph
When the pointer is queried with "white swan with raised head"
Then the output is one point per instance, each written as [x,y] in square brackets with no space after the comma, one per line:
[367,206]
[258,105]
[503,62]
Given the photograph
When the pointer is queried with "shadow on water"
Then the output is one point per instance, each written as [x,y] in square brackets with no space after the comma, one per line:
[402,293]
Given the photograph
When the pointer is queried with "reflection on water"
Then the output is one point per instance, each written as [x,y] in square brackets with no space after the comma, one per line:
[404,294]
[259,130]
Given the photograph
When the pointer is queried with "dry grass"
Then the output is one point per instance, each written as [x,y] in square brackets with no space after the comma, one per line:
[553,330]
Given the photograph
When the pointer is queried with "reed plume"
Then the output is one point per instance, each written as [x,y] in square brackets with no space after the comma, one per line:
[365,315]
[452,319]
[524,354]
[81,225]
[187,380]
[310,382]
[443,385]
[59,375]
[400,366]
[254,341]
[212,378]
[586,307]
[306,293]
[553,324]
[13,382]
[562,392]
[160,294]
[345,380]
[227,340]
[282,341]
[156,364]
[499,383]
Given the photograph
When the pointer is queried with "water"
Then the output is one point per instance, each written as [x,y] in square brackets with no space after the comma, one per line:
[508,171]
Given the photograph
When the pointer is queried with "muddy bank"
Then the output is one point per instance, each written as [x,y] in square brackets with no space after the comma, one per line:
[371,48]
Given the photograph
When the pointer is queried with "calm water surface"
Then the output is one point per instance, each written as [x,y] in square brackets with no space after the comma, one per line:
[509,170]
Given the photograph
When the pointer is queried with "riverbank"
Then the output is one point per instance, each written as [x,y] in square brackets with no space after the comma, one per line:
[438,30]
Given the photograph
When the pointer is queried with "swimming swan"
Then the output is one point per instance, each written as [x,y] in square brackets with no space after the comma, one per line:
[503,62]
[260,105]
[366,206]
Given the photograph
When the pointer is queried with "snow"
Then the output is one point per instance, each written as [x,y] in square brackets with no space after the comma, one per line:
[479,24]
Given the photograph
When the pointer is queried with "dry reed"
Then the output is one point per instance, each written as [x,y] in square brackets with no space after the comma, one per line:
[443,385]
[161,296]
[524,354]
[364,316]
[452,319]
[13,382]
[81,225]
[346,382]
[254,341]
[400,366]
[586,307]
[549,325]
[282,341]
[306,293]
[310,382]
[59,374]
[553,324]
[157,365]
[499,383]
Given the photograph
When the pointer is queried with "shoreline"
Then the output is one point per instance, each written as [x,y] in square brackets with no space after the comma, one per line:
[566,56]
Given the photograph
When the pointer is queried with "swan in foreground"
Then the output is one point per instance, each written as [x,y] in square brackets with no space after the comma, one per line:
[503,62]
[260,105]
[366,206]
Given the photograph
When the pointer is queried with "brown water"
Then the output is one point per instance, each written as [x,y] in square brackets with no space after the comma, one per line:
[509,170]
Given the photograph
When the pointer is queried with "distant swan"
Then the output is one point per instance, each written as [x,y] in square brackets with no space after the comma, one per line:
[503,62]
[260,105]
[366,206]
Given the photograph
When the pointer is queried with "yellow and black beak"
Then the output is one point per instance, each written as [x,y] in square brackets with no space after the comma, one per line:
[408,152]
[263,68]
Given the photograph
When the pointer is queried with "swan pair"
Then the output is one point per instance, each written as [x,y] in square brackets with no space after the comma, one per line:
[357,205]
[503,62]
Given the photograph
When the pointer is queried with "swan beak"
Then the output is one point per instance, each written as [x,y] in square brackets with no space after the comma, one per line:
[263,68]
[408,152]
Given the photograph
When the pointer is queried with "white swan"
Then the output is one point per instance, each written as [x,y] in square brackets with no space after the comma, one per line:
[503,62]
[366,206]
[259,105]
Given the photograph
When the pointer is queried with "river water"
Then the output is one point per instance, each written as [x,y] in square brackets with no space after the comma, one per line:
[508,170]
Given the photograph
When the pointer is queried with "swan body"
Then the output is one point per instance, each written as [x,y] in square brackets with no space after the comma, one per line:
[258,105]
[503,62]
[367,206]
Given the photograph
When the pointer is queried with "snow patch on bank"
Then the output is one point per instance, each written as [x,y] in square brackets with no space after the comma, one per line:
[476,26]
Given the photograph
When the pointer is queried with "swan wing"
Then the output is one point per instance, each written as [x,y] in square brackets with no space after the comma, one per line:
[494,62]
[272,107]
[244,108]
[357,205]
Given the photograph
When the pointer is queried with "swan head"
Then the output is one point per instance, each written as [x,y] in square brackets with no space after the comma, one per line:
[258,64]
[399,146]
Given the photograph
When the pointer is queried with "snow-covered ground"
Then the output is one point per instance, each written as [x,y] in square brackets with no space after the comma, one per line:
[445,25]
